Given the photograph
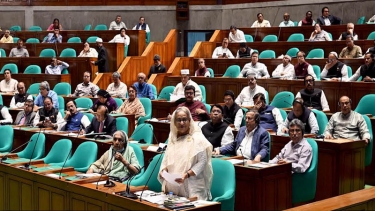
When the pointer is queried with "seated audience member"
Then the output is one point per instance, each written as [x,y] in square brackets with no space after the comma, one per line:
[372,19]
[45,91]
[48,115]
[7,38]
[287,22]
[216,131]
[74,120]
[157,67]
[298,151]
[19,51]
[56,67]
[302,68]
[55,24]
[313,98]
[196,108]
[319,34]
[125,162]
[285,70]
[334,69]
[102,122]
[132,105]
[254,67]
[351,51]
[223,52]
[236,35]
[304,114]
[232,112]
[8,84]
[121,38]
[5,117]
[367,70]
[252,141]
[349,31]
[86,88]
[270,116]
[326,19]
[87,51]
[117,24]
[260,22]
[142,25]
[143,88]
[179,90]
[102,62]
[189,155]
[19,99]
[245,98]
[104,98]
[244,51]
[372,49]
[347,123]
[202,70]
[117,88]
[54,37]
[308,20]
[27,115]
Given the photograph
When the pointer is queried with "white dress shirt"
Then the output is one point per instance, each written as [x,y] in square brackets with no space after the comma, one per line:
[179,90]
[246,144]
[6,115]
[286,24]
[245,98]
[147,28]
[8,86]
[19,105]
[220,51]
[288,71]
[259,69]
[119,91]
[238,37]
[119,39]
[344,73]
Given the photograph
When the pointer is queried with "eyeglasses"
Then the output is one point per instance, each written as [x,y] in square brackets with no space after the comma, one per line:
[309,81]
[181,120]
[86,76]
[344,103]
[189,93]
[40,89]
[225,42]
[227,99]
[295,130]
[140,77]
[28,105]
[117,139]
[131,91]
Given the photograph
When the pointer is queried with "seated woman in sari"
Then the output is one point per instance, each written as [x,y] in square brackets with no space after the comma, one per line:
[132,105]
[189,155]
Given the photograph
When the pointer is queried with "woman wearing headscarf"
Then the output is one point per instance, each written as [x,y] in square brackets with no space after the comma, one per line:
[189,155]
[104,98]
[132,105]
[119,161]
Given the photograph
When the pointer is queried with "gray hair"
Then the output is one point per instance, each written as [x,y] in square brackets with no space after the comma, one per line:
[298,123]
[45,85]
[116,75]
[124,137]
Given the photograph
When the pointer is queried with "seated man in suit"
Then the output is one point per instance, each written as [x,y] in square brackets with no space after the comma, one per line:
[252,141]
[102,122]
[48,116]
[270,116]
[298,151]
[19,99]
[26,117]
[74,120]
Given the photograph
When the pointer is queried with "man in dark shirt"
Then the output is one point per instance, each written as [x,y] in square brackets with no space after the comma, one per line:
[244,51]
[102,61]
[157,67]
[327,19]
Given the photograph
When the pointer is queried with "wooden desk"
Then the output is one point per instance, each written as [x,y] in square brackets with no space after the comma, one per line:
[161,131]
[340,165]
[161,109]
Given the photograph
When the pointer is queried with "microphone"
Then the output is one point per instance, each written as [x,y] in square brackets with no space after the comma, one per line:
[127,192]
[5,157]
[243,157]
[102,172]
[27,165]
[278,36]
[142,141]
[256,32]
[280,98]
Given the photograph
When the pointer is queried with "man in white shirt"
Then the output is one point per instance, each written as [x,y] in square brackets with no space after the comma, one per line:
[117,88]
[245,98]
[5,117]
[19,99]
[319,35]
[8,84]
[117,24]
[56,67]
[284,70]
[313,98]
[121,38]
[254,67]
[142,25]
[349,31]
[287,22]
[88,52]
[202,71]
[223,52]
[334,70]
[236,35]
[179,90]
[261,22]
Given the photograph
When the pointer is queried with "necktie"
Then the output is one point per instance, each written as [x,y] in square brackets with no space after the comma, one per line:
[22,122]
[101,127]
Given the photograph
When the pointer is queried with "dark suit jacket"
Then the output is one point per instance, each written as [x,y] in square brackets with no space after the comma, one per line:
[260,143]
[102,62]
[333,19]
[29,118]
[109,126]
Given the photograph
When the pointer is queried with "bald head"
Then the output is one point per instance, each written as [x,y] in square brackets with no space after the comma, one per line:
[21,88]
[286,16]
[141,78]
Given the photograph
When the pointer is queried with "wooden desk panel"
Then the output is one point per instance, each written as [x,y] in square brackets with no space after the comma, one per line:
[161,109]
[161,131]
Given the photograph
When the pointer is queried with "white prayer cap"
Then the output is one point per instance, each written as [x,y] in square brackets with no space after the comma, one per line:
[99,39]
[185,72]
[334,53]
[290,58]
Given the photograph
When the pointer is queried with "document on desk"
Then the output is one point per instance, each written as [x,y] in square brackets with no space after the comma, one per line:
[235,161]
[261,165]
[83,176]
[171,178]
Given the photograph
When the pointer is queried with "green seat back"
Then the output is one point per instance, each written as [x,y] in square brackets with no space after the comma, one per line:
[59,151]
[223,186]
[92,39]
[365,105]
[296,37]
[292,52]
[15,28]
[11,66]
[270,38]
[166,92]
[146,102]
[304,184]
[322,119]
[295,23]
[3,53]
[330,35]
[68,52]
[350,71]
[48,52]
[267,97]
[87,27]
[249,38]
[33,89]
[118,101]
[100,27]
[83,102]
[63,88]
[39,144]
[203,90]
[316,53]
[74,40]
[208,107]
[232,71]
[7,134]
[90,116]
[122,123]
[15,39]
[143,131]
[361,20]
[35,28]
[64,71]
[359,78]
[283,113]
[368,150]
[32,40]
[61,101]
[283,100]
[32,69]
[151,172]
[139,154]
[371,36]
[148,36]
[1,100]
[154,91]
[212,75]
[316,69]
[126,50]
[267,54]
[85,154]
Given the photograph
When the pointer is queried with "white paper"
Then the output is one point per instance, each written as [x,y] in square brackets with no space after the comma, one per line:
[100,183]
[134,142]
[83,176]
[235,161]
[174,98]
[171,178]
[52,175]
[201,203]
[152,148]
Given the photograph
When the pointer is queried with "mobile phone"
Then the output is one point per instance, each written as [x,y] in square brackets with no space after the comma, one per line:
[224,54]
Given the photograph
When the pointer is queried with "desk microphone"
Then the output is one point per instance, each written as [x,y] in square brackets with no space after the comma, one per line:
[127,192]
[102,171]
[142,140]
[243,157]
[5,157]
[109,183]
[27,165]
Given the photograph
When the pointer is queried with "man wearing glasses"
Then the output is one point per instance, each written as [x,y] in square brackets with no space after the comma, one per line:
[8,84]
[222,52]
[313,98]
[19,99]
[327,19]
[197,108]
[86,88]
[298,151]
[7,38]
[347,124]
[261,22]
[143,88]
[27,115]
[45,91]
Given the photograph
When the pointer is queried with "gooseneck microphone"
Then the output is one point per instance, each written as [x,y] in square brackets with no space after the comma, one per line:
[5,157]
[243,157]
[27,165]
[127,192]
[102,172]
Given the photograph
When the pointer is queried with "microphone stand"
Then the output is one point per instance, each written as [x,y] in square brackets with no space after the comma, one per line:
[27,165]
[127,192]
[5,157]
[70,152]
[97,183]
[243,157]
